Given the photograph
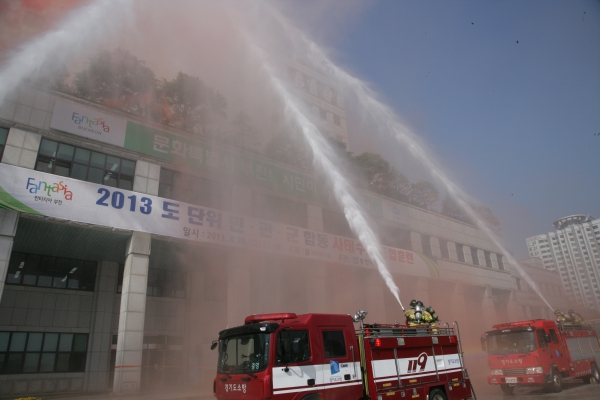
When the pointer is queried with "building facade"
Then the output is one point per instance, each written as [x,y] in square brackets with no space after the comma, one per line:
[572,250]
[126,246]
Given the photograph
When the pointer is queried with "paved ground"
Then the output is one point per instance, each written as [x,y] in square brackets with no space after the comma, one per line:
[576,390]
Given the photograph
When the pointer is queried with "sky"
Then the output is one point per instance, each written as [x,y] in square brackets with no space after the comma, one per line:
[505,94]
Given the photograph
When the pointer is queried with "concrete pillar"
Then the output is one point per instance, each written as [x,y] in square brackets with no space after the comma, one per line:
[515,313]
[316,290]
[21,148]
[128,365]
[8,229]
[460,312]
[101,330]
[238,290]
[488,307]
[146,178]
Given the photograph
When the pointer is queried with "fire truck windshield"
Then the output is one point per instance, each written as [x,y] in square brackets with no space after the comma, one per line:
[244,353]
[510,342]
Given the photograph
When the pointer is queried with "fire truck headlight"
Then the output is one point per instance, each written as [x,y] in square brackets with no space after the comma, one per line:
[496,372]
[535,370]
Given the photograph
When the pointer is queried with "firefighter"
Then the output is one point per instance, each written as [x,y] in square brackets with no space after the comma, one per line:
[434,316]
[561,318]
[409,314]
[575,317]
[417,315]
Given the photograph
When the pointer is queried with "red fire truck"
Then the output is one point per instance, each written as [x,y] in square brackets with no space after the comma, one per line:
[540,352]
[324,356]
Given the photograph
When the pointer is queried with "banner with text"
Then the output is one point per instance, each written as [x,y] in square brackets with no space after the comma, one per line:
[35,192]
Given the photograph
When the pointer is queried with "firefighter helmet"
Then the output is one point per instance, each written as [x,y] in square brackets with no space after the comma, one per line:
[420,303]
[413,303]
[557,312]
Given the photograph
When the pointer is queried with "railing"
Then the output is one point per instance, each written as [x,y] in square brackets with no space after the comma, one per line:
[397,330]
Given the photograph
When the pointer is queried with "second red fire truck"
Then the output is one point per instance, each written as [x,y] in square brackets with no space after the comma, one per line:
[324,356]
[541,353]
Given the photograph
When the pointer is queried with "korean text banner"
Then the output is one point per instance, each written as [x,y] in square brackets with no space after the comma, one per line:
[35,192]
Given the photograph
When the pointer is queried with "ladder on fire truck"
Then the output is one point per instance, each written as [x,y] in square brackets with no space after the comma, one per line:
[400,332]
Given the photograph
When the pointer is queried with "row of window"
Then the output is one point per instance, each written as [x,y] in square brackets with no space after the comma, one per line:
[51,272]
[86,165]
[460,252]
[34,352]
[71,274]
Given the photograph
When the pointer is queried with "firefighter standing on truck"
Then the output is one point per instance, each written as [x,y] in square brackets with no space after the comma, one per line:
[418,314]
[575,317]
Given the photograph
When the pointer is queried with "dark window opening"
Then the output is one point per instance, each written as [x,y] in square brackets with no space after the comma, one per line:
[500,262]
[51,272]
[395,237]
[334,345]
[194,190]
[488,259]
[86,165]
[460,252]
[336,223]
[292,347]
[475,255]
[3,137]
[444,249]
[278,209]
[161,283]
[41,352]
[426,243]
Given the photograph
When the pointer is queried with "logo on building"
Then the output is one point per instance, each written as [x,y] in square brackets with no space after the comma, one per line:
[90,124]
[48,188]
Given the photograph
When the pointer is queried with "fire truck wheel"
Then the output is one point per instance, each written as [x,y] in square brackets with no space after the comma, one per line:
[437,394]
[507,389]
[595,374]
[555,384]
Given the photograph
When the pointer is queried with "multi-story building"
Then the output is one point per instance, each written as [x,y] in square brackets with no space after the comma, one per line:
[573,251]
[126,246]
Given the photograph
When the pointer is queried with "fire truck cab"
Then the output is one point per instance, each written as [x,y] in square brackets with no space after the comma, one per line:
[540,353]
[286,356]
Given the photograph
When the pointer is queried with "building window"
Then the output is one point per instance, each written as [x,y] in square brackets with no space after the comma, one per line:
[86,165]
[280,210]
[488,259]
[394,237]
[475,256]
[336,223]
[460,252]
[51,272]
[426,243]
[3,136]
[500,262]
[161,283]
[444,249]
[37,352]
[194,190]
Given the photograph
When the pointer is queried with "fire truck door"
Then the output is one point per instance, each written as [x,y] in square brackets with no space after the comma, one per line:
[339,371]
[557,351]
[295,360]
